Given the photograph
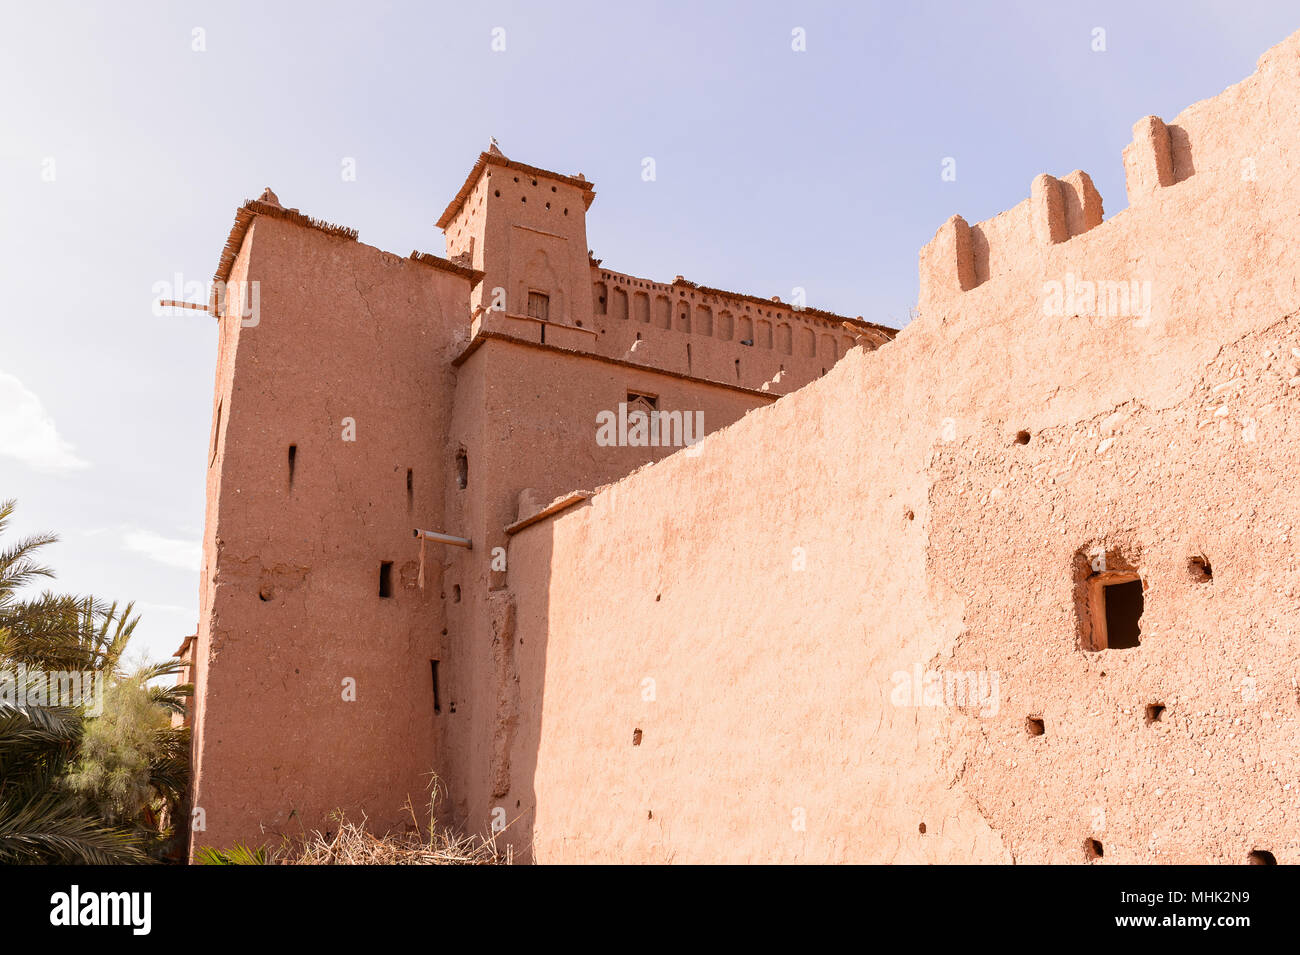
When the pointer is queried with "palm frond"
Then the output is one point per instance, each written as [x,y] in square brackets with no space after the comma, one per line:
[52,828]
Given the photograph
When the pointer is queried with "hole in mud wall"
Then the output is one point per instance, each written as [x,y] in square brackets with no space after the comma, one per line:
[1155,713]
[437,701]
[410,488]
[1093,849]
[266,594]
[455,593]
[1034,726]
[636,737]
[462,469]
[293,461]
[1200,570]
[921,828]
[386,579]
[1022,437]
[738,369]
[216,430]
[1261,857]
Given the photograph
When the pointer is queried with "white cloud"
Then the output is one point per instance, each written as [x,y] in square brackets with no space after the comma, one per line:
[186,554]
[27,432]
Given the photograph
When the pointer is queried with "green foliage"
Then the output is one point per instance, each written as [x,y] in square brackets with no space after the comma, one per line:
[239,855]
[112,771]
[77,787]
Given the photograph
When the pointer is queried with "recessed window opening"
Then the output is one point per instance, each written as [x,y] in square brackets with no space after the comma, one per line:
[539,305]
[462,469]
[293,460]
[437,700]
[1109,599]
[410,488]
[1123,613]
[386,578]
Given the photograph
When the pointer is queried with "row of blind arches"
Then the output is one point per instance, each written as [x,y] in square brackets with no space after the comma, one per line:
[662,312]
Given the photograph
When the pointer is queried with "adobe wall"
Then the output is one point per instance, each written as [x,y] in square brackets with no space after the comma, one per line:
[526,418]
[786,590]
[289,597]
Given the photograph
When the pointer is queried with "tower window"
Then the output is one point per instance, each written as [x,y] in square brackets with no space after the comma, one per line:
[539,306]
[386,579]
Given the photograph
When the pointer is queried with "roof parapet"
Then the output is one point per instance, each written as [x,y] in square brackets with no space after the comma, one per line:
[486,159]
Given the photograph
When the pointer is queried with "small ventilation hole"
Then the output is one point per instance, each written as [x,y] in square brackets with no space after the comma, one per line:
[636,737]
[1092,849]
[1261,857]
[1022,437]
[1034,726]
[1200,570]
[1155,712]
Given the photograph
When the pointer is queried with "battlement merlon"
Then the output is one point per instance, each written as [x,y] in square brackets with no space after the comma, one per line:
[1225,140]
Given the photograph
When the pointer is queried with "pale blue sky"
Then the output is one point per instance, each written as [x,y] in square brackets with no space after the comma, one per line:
[775,169]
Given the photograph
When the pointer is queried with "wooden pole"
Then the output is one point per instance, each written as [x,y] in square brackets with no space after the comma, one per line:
[443,538]
[170,303]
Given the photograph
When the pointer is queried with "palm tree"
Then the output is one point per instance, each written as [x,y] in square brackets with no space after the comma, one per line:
[44,816]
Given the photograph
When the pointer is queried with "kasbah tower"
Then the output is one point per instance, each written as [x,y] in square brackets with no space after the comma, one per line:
[1017,583]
